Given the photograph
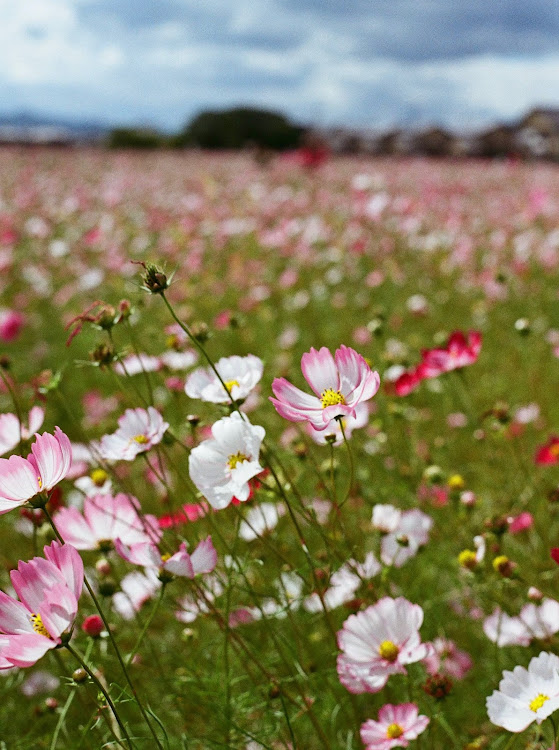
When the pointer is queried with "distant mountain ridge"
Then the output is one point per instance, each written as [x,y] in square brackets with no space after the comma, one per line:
[24,120]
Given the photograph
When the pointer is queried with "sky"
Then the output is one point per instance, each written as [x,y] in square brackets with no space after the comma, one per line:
[357,63]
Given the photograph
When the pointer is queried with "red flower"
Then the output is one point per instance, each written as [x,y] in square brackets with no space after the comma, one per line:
[548,454]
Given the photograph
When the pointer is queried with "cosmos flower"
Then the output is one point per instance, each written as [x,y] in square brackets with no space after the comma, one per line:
[240,375]
[526,695]
[138,430]
[202,560]
[221,466]
[340,383]
[12,432]
[48,589]
[548,454]
[105,519]
[47,464]
[448,659]
[379,642]
[402,542]
[395,727]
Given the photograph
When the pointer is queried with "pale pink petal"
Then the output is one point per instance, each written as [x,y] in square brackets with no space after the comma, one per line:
[14,616]
[69,563]
[204,557]
[320,371]
[180,564]
[26,650]
[18,479]
[74,529]
[58,610]
[143,553]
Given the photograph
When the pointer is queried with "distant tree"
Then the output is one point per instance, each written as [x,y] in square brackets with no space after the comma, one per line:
[134,138]
[239,128]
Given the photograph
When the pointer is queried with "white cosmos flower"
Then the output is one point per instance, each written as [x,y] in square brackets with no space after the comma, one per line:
[526,695]
[138,430]
[240,375]
[405,532]
[222,466]
[260,519]
[12,432]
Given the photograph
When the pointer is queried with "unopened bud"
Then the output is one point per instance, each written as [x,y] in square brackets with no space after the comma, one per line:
[103,566]
[93,626]
[107,587]
[79,675]
[438,686]
[51,704]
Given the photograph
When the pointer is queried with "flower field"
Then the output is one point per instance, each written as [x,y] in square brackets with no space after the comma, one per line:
[280,452]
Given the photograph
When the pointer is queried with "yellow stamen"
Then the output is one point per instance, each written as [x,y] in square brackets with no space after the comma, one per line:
[389,651]
[40,483]
[538,702]
[141,439]
[99,477]
[236,458]
[467,559]
[330,397]
[38,626]
[230,383]
[165,557]
[554,450]
[393,731]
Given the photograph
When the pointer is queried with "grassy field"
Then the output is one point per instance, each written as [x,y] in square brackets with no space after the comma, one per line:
[386,257]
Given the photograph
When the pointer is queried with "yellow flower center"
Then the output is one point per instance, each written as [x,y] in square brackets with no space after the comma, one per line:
[389,651]
[554,450]
[330,397]
[230,383]
[38,626]
[456,482]
[141,439]
[40,482]
[165,557]
[393,731]
[467,559]
[538,702]
[236,458]
[99,477]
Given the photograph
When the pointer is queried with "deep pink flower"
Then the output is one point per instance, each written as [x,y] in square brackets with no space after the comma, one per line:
[340,384]
[47,464]
[395,727]
[48,591]
[11,323]
[521,522]
[458,352]
[548,454]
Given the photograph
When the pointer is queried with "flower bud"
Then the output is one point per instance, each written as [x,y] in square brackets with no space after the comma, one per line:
[51,703]
[103,566]
[79,675]
[107,587]
[438,686]
[93,626]
[154,279]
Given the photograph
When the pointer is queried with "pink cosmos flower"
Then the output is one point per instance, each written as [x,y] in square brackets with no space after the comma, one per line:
[548,454]
[404,532]
[11,323]
[202,560]
[340,383]
[459,351]
[47,464]
[448,659]
[521,522]
[379,642]
[105,519]
[138,430]
[48,591]
[12,432]
[395,727]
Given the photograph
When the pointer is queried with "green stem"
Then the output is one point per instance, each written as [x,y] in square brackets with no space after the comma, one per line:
[351,462]
[146,625]
[112,639]
[100,687]
[12,393]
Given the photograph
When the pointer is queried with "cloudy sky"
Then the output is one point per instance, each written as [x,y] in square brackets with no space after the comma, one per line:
[367,63]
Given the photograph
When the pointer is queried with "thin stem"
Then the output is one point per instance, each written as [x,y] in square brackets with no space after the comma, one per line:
[69,700]
[100,687]
[12,393]
[146,625]
[351,462]
[112,639]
